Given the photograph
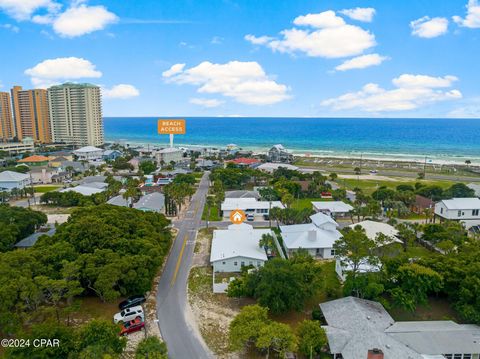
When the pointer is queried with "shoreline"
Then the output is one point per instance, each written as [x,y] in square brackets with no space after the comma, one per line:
[325,154]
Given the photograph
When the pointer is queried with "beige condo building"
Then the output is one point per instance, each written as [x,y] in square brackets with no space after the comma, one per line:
[76,114]
[30,111]
[7,131]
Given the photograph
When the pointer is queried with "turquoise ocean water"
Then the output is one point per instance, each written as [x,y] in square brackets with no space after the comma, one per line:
[440,139]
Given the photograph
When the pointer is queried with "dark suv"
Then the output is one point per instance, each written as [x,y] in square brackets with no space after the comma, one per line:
[132,302]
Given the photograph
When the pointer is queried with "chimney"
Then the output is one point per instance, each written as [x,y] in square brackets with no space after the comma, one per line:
[375,353]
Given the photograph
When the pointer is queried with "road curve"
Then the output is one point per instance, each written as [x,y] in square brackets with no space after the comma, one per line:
[182,341]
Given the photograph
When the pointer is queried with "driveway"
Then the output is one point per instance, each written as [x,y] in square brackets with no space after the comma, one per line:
[182,340]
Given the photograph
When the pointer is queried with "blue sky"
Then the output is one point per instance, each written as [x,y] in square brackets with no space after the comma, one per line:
[252,58]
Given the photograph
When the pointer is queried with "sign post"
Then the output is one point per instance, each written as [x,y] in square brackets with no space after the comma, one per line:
[171,127]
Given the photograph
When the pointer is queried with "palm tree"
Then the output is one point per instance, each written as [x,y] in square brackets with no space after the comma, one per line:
[267,242]
[210,202]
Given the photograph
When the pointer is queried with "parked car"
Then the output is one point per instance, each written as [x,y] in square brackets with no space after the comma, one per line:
[132,326]
[250,217]
[373,172]
[132,301]
[129,314]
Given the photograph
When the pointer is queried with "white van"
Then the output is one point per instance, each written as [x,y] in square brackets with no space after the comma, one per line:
[129,314]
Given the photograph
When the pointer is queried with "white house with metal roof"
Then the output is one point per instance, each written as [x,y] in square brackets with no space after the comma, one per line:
[465,210]
[10,180]
[332,208]
[271,167]
[355,326]
[89,153]
[373,229]
[86,189]
[237,247]
[249,206]
[317,237]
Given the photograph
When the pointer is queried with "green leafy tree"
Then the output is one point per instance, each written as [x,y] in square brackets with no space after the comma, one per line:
[151,348]
[147,167]
[312,338]
[245,327]
[101,335]
[277,337]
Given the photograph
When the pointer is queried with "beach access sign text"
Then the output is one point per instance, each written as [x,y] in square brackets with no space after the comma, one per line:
[171,127]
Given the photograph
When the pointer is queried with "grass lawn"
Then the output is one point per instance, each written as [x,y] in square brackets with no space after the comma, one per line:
[302,203]
[213,214]
[369,186]
[45,189]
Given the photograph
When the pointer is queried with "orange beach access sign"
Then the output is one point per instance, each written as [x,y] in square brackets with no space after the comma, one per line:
[171,127]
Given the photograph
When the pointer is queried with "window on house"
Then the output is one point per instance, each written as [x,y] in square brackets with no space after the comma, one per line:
[467,356]
[242,264]
[332,252]
[223,263]
[259,263]
[457,356]
[441,210]
[475,212]
[235,263]
[448,356]
[459,214]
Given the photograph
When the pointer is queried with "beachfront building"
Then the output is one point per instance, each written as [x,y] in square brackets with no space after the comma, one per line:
[333,208]
[464,210]
[76,114]
[278,153]
[317,238]
[169,155]
[31,114]
[272,167]
[358,328]
[89,153]
[237,247]
[10,180]
[7,129]
[258,209]
[27,145]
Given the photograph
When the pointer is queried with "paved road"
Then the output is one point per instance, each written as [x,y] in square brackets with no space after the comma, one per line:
[182,341]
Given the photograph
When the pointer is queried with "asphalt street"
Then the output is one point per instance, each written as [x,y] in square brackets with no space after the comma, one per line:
[182,341]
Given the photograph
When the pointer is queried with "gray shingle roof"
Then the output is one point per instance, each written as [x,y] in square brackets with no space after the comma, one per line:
[29,241]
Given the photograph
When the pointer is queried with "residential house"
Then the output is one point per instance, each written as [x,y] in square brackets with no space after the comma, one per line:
[34,160]
[236,247]
[10,180]
[153,202]
[30,241]
[333,208]
[464,210]
[356,326]
[44,175]
[89,153]
[244,162]
[475,187]
[317,237]
[272,167]
[111,155]
[373,229]
[242,194]
[278,153]
[421,204]
[87,189]
[249,206]
[168,155]
[119,201]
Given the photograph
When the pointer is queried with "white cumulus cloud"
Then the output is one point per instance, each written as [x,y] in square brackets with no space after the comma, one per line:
[361,62]
[472,20]
[324,35]
[245,82]
[52,71]
[429,28]
[206,102]
[22,10]
[121,91]
[83,19]
[364,14]
[175,69]
[410,92]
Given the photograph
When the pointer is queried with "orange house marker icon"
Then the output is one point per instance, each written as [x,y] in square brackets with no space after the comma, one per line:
[237,216]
